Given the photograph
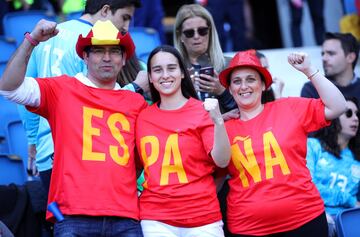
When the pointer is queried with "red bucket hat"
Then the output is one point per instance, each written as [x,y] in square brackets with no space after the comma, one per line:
[105,33]
[245,59]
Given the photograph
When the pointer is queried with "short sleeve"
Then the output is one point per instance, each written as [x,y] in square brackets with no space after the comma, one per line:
[310,113]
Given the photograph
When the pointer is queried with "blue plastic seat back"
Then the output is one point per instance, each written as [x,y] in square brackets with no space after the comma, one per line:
[145,39]
[8,112]
[349,7]
[11,170]
[7,48]
[17,23]
[17,140]
[348,223]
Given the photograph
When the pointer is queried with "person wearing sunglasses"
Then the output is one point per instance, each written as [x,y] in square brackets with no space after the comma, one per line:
[333,159]
[196,38]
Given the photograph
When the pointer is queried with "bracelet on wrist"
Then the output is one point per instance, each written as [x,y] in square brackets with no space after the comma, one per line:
[312,75]
[31,39]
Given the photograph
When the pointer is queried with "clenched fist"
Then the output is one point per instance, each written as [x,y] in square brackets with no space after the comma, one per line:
[44,30]
[212,106]
[301,61]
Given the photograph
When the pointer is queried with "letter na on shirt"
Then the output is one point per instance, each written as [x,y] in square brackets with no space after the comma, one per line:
[273,156]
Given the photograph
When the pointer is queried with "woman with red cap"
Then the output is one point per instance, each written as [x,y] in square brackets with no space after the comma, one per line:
[270,187]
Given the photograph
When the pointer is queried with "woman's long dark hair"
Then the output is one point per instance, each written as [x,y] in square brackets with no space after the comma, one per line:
[187,88]
[328,137]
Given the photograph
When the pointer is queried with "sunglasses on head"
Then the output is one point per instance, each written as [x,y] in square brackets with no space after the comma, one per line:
[202,31]
[349,113]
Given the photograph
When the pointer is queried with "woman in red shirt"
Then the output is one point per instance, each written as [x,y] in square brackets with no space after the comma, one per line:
[270,186]
[180,144]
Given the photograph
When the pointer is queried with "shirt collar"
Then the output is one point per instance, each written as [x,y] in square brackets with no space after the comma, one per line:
[86,81]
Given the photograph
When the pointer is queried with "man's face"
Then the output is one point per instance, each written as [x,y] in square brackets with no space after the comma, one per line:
[104,63]
[121,18]
[334,60]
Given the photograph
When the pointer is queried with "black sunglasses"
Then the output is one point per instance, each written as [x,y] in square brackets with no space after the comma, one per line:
[202,31]
[349,113]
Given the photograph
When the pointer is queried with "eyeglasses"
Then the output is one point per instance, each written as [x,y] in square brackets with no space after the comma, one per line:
[100,52]
[202,31]
[349,113]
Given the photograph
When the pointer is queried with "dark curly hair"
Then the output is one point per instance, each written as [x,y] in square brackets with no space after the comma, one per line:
[328,137]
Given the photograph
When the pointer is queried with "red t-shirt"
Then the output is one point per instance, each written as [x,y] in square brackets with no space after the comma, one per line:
[93,132]
[270,186]
[175,147]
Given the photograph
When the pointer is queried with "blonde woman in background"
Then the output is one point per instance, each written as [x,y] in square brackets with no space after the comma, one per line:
[197,40]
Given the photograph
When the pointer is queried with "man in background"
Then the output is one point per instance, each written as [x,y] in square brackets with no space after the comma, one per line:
[339,56]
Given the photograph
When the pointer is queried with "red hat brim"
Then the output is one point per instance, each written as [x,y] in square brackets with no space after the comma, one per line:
[224,76]
[125,42]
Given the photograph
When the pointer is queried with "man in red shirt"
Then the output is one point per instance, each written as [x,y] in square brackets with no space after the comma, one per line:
[93,180]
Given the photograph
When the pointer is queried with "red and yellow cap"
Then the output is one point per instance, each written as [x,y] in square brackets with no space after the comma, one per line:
[105,33]
[245,59]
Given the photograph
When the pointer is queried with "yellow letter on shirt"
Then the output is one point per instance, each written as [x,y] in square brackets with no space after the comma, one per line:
[88,132]
[279,159]
[172,150]
[247,163]
[114,150]
[152,157]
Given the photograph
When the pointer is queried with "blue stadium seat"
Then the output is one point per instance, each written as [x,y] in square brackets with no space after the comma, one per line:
[17,23]
[145,39]
[11,170]
[17,141]
[348,223]
[7,48]
[349,7]
[8,112]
